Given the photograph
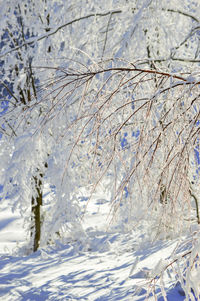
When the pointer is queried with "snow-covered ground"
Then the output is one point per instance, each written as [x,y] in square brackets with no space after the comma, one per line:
[109,266]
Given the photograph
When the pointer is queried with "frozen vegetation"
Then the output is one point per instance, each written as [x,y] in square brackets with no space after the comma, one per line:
[99,150]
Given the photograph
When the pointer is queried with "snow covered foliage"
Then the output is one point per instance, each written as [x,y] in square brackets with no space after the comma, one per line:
[102,93]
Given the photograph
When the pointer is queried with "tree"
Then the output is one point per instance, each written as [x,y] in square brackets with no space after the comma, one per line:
[20,93]
[121,102]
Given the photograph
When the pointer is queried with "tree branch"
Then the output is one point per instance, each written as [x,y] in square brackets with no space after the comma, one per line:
[32,41]
[182,13]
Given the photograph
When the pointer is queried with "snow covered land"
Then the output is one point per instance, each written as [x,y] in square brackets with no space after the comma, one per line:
[100,266]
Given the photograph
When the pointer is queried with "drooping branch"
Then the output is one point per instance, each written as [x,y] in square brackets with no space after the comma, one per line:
[100,115]
[182,13]
[160,60]
[184,80]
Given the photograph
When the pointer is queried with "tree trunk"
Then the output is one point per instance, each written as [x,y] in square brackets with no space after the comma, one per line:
[196,204]
[36,213]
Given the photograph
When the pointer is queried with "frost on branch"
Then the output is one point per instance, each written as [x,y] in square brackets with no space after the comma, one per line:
[139,133]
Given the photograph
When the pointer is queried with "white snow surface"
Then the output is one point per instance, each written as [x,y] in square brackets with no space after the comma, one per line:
[108,266]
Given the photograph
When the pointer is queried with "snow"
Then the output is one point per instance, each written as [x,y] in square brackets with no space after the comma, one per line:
[107,266]
[11,230]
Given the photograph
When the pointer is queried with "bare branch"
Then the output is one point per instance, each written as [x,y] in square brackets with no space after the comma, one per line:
[34,40]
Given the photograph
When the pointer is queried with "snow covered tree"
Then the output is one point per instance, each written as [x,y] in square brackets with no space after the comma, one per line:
[19,92]
[22,21]
[101,92]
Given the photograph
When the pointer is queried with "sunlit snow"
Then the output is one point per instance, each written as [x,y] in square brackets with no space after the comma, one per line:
[101,266]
